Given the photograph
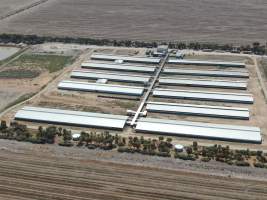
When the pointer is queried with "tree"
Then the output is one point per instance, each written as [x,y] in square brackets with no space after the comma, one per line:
[67,137]
[195,146]
[3,125]
[161,138]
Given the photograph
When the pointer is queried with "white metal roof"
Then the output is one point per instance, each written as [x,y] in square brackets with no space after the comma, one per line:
[103,88]
[119,67]
[204,95]
[209,63]
[110,76]
[200,130]
[125,58]
[214,73]
[67,117]
[204,83]
[198,110]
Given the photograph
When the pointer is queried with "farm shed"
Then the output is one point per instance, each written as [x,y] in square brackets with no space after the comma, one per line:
[198,110]
[72,118]
[211,73]
[149,60]
[82,74]
[207,63]
[119,67]
[204,95]
[203,83]
[102,88]
[200,130]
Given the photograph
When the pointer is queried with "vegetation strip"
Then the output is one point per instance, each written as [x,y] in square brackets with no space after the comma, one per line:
[154,147]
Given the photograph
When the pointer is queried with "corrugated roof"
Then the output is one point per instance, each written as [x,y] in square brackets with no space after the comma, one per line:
[103,88]
[200,130]
[204,83]
[119,67]
[204,95]
[214,73]
[110,76]
[67,117]
[198,110]
[209,63]
[125,58]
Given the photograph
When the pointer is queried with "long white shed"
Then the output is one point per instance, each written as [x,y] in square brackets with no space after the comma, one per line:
[200,130]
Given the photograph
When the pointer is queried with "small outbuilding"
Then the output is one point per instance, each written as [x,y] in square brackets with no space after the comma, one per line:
[179,148]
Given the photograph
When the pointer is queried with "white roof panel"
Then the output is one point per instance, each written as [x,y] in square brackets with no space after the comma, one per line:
[204,83]
[119,67]
[214,73]
[103,88]
[204,95]
[125,58]
[208,63]
[67,117]
[110,76]
[199,110]
[200,130]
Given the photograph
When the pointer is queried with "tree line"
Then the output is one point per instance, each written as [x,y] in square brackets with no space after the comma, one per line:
[161,146]
[256,47]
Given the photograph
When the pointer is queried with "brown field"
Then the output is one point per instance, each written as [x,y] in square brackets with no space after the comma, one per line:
[26,74]
[222,21]
[9,6]
[43,172]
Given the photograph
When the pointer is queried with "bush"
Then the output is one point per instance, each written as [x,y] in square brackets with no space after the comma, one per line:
[242,163]
[91,146]
[125,150]
[66,144]
[163,154]
[229,162]
[205,159]
[259,165]
[184,156]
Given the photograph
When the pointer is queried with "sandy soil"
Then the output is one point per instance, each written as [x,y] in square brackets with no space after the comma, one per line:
[50,172]
[198,20]
[13,89]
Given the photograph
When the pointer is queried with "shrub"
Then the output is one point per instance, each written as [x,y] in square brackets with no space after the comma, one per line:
[229,162]
[66,144]
[163,154]
[125,150]
[258,165]
[184,156]
[122,149]
[242,163]
[91,146]
[205,159]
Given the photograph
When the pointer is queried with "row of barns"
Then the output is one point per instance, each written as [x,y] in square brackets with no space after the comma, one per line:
[139,71]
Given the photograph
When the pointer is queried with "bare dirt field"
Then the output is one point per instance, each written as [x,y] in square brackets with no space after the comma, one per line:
[8,6]
[48,172]
[26,74]
[196,20]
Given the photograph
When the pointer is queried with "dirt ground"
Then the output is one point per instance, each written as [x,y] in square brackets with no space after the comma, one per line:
[7,6]
[14,89]
[50,172]
[222,21]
